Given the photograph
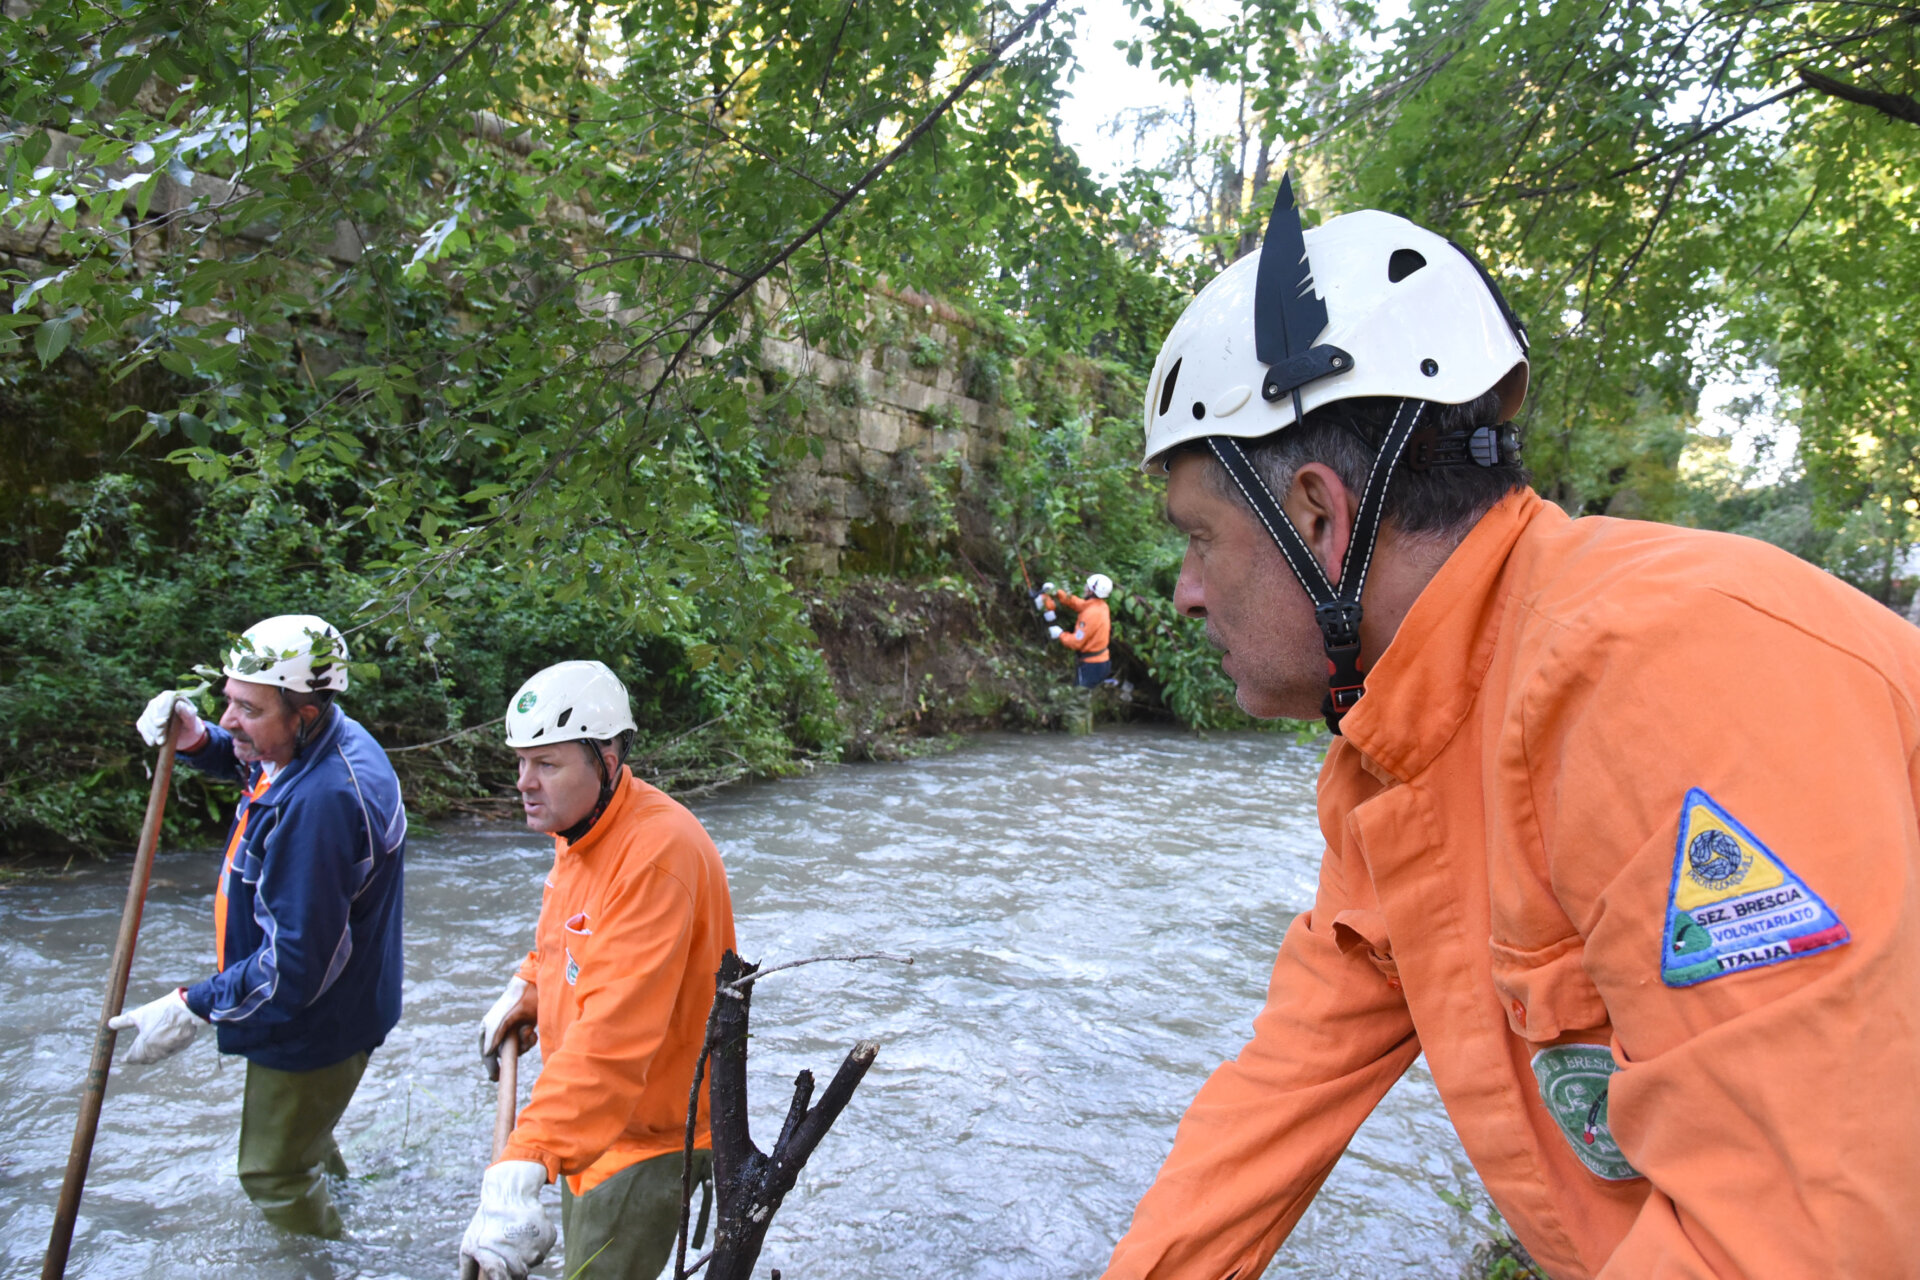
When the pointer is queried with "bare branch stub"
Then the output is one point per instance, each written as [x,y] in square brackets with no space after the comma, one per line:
[749,1184]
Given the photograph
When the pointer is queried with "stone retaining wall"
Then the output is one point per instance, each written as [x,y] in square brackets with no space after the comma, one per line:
[885,423]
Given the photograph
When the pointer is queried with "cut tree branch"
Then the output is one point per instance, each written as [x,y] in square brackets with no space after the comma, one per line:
[1895,106]
[750,1184]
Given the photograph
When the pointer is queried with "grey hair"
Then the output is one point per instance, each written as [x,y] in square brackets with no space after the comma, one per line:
[294,700]
[1444,503]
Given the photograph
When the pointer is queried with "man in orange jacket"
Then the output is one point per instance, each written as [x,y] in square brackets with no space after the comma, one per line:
[1622,835]
[633,922]
[1093,627]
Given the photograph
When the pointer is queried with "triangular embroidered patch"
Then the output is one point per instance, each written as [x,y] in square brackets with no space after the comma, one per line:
[1734,904]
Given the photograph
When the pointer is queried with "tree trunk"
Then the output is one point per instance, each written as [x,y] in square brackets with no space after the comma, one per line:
[749,1184]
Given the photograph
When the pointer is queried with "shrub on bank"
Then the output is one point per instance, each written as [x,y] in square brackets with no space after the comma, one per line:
[84,644]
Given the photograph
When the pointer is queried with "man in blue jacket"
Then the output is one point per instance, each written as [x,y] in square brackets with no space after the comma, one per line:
[306,913]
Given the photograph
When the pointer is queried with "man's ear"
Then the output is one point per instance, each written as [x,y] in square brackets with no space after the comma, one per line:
[1322,509]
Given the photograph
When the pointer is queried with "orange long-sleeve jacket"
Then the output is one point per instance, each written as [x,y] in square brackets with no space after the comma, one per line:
[1092,630]
[633,922]
[1625,836]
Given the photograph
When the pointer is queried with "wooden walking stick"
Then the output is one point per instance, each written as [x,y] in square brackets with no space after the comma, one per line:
[507,1104]
[88,1123]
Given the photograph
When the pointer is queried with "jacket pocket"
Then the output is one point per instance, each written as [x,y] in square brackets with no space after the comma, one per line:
[1365,931]
[1546,992]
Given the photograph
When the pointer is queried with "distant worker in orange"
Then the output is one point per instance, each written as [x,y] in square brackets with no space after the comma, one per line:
[1092,631]
[633,922]
[1622,827]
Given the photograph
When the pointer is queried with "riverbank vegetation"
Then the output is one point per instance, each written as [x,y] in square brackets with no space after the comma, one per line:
[469,324]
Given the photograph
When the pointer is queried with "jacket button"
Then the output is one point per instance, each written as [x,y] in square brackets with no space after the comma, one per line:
[1519,1013]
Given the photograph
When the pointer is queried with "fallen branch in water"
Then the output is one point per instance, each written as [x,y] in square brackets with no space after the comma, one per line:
[750,1184]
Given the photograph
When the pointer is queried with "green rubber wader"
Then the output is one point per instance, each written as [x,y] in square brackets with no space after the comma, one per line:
[624,1228]
[286,1142]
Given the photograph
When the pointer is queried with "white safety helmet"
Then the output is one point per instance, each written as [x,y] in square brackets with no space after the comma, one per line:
[569,702]
[1367,305]
[1099,586]
[295,651]
[1408,314]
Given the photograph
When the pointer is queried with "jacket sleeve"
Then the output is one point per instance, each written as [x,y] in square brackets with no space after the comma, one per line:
[588,1089]
[1772,1107]
[1077,638]
[215,758]
[1267,1128]
[316,858]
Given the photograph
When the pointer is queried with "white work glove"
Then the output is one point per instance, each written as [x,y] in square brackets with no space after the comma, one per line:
[1047,588]
[164,1027]
[510,1233]
[1040,601]
[1049,615]
[1053,633]
[518,998]
[168,706]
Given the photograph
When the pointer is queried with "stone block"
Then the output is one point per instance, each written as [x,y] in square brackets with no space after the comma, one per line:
[812,560]
[831,497]
[879,430]
[347,245]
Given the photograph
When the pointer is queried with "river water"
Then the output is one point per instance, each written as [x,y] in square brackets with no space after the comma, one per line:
[1092,922]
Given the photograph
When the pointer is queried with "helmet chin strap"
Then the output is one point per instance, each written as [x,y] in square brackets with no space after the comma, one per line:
[1336,609]
[573,833]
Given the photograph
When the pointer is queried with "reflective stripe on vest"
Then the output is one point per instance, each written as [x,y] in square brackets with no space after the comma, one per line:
[247,798]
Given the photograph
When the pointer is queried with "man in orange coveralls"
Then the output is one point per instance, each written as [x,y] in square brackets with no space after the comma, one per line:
[1622,835]
[633,921]
[1093,627]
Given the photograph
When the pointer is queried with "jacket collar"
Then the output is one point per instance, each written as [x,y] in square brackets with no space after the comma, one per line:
[1426,682]
[623,792]
[319,745]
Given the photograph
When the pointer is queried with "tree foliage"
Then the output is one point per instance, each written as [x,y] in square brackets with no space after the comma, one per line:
[1665,191]
[456,314]
[488,278]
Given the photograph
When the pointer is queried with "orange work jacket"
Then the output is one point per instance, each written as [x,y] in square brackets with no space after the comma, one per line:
[633,921]
[1090,634]
[1597,756]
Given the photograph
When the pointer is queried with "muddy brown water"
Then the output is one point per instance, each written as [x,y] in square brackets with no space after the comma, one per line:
[1093,921]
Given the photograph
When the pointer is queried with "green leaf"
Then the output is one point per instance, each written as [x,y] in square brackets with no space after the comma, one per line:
[51,338]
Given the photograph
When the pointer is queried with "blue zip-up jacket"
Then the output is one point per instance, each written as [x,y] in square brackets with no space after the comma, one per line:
[313,904]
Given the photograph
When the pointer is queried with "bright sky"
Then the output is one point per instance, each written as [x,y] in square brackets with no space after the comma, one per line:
[1107,86]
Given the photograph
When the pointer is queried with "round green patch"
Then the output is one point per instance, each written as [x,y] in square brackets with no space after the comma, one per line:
[526,702]
[1573,1081]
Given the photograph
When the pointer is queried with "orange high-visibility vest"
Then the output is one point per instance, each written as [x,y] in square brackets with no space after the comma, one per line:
[248,796]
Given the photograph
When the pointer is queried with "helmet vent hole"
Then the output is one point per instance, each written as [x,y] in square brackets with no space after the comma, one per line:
[560,721]
[1404,263]
[1166,388]
[1199,410]
[541,730]
[1430,367]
